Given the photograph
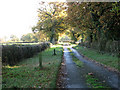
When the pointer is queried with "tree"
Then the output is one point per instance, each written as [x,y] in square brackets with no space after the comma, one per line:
[98,21]
[51,20]
[30,37]
[41,36]
[1,40]
[14,38]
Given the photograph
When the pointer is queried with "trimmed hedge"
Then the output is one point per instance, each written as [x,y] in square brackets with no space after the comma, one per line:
[12,54]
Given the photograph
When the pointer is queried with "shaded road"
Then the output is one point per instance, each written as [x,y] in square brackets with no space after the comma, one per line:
[111,78]
[75,77]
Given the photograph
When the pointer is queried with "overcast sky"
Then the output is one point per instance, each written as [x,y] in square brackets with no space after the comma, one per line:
[17,16]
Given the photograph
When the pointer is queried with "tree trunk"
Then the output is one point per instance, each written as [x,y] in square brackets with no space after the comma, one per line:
[53,41]
[73,36]
[54,52]
[82,39]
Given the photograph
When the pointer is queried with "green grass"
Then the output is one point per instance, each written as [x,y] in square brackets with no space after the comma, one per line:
[105,59]
[0,82]
[94,82]
[77,61]
[25,74]
[0,73]
[69,49]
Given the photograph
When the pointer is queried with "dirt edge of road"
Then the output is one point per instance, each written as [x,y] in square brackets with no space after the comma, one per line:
[100,64]
[62,75]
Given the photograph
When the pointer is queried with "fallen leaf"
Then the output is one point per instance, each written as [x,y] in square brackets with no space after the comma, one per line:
[90,73]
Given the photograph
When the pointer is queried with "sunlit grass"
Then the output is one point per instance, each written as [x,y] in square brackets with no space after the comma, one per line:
[10,66]
[62,45]
[26,76]
[57,45]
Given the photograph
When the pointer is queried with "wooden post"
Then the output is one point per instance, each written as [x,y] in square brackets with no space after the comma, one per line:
[54,52]
[40,60]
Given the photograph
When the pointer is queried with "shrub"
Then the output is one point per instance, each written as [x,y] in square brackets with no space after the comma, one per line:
[12,54]
[113,47]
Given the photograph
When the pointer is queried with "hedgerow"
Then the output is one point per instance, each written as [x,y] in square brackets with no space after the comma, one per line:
[12,54]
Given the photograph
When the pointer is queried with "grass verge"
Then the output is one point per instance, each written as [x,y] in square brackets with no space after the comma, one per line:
[94,82]
[69,49]
[24,75]
[105,59]
[77,61]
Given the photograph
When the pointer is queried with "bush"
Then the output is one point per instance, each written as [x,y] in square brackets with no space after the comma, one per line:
[113,47]
[94,45]
[12,54]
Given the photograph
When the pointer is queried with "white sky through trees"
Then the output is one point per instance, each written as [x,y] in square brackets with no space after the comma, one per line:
[18,16]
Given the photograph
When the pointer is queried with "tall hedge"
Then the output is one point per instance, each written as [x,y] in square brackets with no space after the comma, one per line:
[112,47]
[12,54]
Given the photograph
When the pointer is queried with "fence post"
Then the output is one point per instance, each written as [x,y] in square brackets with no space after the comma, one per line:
[54,52]
[40,59]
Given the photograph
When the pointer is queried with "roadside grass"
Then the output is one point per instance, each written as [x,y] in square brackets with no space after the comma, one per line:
[24,75]
[0,82]
[69,49]
[91,80]
[95,83]
[77,61]
[0,73]
[105,59]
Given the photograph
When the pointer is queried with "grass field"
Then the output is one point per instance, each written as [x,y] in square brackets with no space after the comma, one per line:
[105,59]
[25,74]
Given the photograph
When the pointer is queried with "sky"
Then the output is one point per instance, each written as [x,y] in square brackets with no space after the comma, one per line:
[17,16]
